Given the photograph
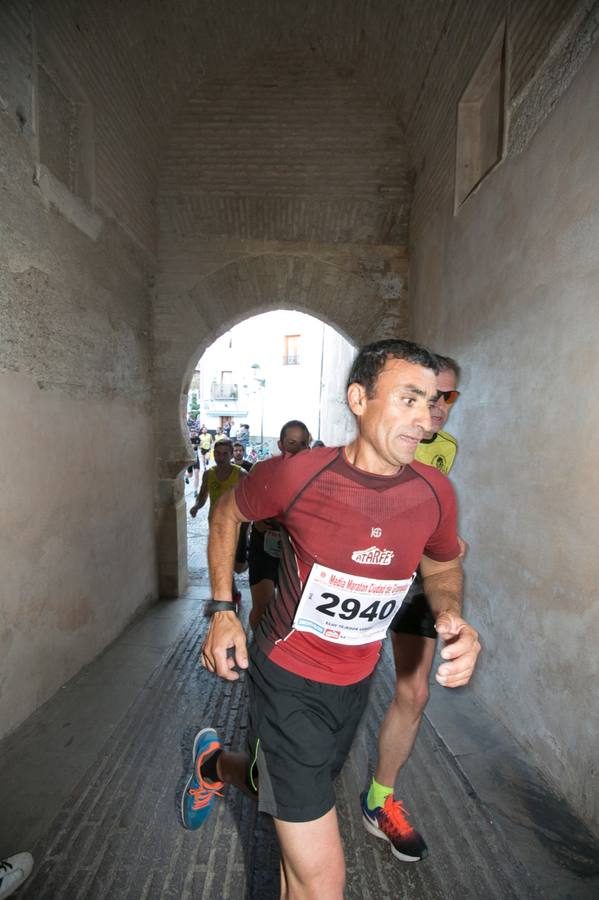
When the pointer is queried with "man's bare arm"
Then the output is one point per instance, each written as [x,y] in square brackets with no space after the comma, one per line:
[222,541]
[225,632]
[443,584]
[202,496]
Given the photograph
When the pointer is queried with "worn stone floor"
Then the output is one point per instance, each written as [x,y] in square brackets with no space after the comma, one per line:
[91,784]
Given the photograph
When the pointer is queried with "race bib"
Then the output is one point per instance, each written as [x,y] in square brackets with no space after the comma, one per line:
[347,609]
[272,543]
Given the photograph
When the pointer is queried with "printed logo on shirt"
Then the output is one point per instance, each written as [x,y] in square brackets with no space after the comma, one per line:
[376,532]
[441,463]
[373,557]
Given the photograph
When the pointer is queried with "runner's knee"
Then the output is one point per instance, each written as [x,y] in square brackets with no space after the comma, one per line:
[327,884]
[413,692]
[321,877]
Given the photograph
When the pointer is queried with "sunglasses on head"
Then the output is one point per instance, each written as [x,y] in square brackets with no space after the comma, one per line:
[450,397]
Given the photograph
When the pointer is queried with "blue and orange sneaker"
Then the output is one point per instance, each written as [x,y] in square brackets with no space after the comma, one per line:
[390,823]
[199,795]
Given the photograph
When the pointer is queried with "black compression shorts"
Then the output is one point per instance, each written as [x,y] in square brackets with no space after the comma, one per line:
[415,615]
[241,551]
[261,564]
[300,733]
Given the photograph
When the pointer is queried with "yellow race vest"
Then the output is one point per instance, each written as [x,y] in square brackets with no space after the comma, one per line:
[217,488]
[439,452]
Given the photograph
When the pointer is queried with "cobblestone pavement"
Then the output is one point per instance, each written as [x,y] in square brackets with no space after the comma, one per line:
[118,836]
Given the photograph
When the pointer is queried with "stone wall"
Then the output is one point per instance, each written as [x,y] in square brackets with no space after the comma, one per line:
[508,286]
[77,458]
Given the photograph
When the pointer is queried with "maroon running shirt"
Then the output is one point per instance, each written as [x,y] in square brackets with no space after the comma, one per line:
[336,515]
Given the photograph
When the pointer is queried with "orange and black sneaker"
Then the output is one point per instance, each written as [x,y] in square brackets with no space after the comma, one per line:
[390,822]
[199,795]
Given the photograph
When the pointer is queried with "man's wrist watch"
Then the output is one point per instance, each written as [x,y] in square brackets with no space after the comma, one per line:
[215,606]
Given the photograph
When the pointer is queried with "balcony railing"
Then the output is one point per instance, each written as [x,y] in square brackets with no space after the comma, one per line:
[223,391]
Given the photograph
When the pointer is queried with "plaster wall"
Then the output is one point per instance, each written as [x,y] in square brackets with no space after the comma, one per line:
[337,424]
[77,550]
[509,287]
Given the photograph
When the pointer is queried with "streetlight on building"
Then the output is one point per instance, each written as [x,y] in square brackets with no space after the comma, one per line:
[262,383]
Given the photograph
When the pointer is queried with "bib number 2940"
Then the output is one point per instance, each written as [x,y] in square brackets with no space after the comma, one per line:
[347,609]
[351,608]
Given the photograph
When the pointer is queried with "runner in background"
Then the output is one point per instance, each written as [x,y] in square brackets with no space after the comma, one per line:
[414,641]
[265,549]
[216,481]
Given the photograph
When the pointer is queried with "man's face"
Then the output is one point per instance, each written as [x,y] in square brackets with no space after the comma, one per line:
[222,454]
[294,440]
[392,423]
[446,381]
[238,453]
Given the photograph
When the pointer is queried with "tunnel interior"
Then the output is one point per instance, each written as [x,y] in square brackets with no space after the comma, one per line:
[396,169]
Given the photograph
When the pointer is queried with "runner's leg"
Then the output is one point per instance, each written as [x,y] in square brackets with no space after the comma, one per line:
[413,662]
[312,861]
[232,769]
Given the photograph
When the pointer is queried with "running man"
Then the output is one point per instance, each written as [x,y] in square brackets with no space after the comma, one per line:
[205,443]
[414,641]
[264,550]
[215,483]
[241,554]
[356,522]
[239,456]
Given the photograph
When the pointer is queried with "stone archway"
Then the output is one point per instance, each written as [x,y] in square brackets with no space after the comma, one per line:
[357,289]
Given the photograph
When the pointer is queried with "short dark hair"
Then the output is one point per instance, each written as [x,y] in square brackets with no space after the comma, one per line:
[371,359]
[223,440]
[238,444]
[447,364]
[293,423]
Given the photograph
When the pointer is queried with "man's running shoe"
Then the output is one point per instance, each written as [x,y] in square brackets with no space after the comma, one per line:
[390,823]
[199,794]
[14,870]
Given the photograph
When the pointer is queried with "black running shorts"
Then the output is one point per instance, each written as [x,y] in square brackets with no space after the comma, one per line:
[241,551]
[415,615]
[300,734]
[261,564]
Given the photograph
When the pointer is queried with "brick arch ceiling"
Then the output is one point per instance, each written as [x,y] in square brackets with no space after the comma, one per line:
[162,51]
[286,149]
[173,45]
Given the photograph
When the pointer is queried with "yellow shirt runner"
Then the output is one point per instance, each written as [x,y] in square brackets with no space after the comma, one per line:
[440,451]
[217,488]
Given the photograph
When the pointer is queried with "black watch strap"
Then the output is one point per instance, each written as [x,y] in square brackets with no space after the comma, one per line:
[221,606]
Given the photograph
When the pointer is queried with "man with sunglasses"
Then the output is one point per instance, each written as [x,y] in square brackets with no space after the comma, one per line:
[414,640]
